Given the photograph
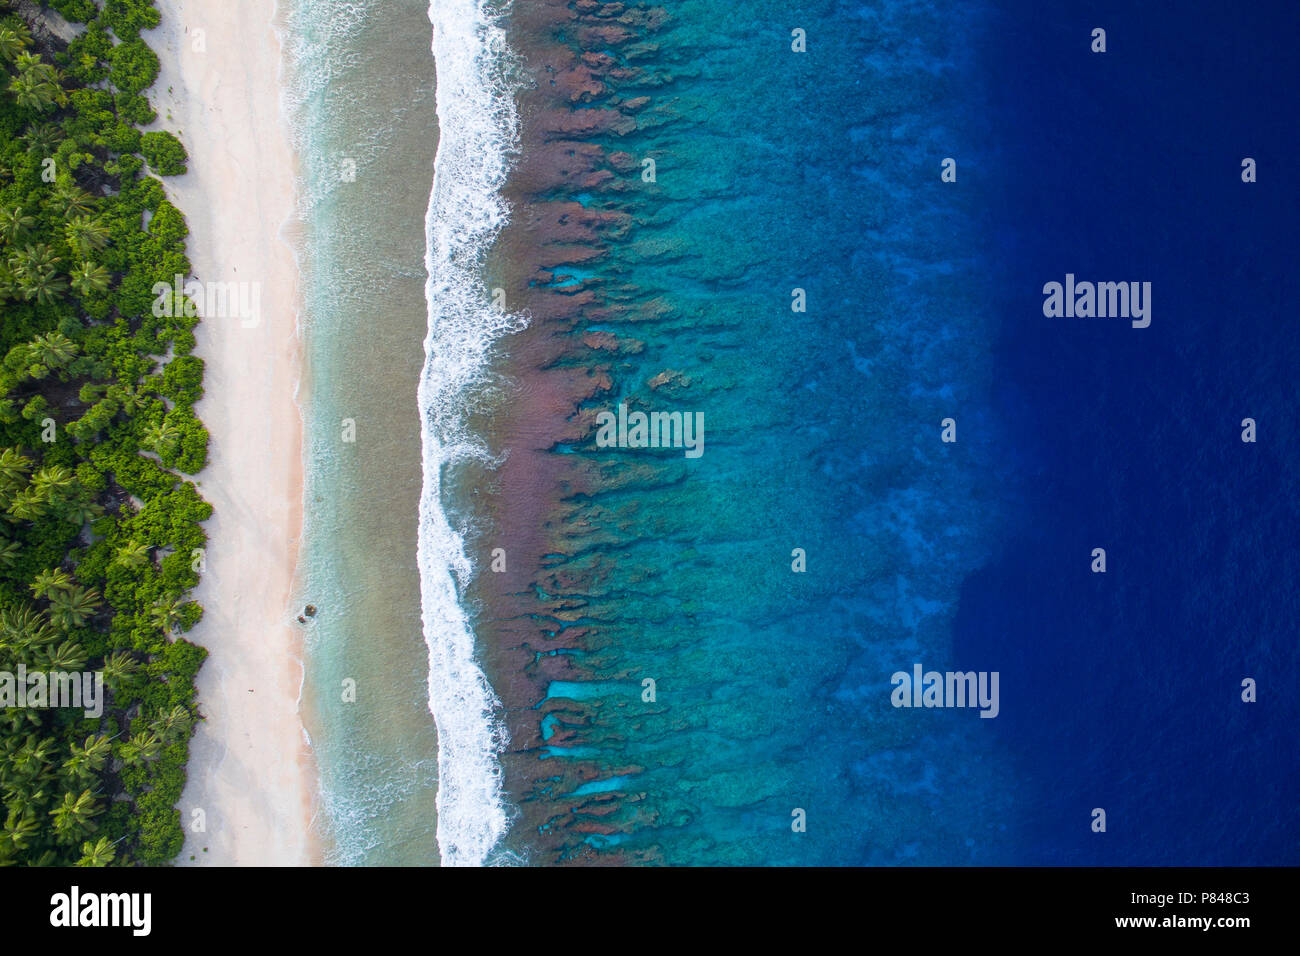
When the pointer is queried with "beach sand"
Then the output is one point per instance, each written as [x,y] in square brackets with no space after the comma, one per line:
[251,771]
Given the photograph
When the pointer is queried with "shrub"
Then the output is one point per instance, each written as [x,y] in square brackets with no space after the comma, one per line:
[134,66]
[164,153]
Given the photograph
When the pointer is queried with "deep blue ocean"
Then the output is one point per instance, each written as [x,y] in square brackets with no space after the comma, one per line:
[829,537]
[1123,690]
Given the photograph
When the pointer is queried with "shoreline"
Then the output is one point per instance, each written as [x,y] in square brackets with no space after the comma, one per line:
[363,90]
[251,777]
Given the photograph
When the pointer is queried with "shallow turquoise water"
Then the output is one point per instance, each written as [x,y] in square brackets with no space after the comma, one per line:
[360,93]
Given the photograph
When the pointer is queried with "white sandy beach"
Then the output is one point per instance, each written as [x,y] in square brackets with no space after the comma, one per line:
[250,771]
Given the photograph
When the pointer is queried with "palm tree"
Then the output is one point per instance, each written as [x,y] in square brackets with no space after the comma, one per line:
[33,258]
[99,853]
[13,41]
[51,582]
[89,278]
[68,656]
[29,760]
[42,140]
[28,505]
[54,349]
[80,512]
[15,223]
[21,829]
[120,666]
[34,269]
[72,608]
[86,234]
[141,748]
[173,724]
[87,759]
[33,92]
[166,614]
[26,61]
[132,555]
[74,815]
[70,200]
[9,551]
[44,288]
[162,437]
[25,627]
[13,466]
[40,81]
[129,398]
[53,481]
[31,65]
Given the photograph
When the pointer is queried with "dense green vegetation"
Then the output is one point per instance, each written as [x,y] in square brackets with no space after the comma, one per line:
[100,527]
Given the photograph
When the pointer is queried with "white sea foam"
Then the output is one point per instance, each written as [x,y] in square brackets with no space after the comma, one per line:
[477,134]
[316,38]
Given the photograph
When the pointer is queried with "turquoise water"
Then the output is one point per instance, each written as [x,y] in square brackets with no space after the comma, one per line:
[360,91]
[734,622]
[775,171]
[688,660]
